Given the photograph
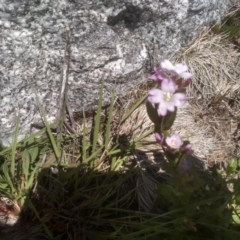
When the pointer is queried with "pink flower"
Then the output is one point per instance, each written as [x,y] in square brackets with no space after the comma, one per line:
[159,138]
[180,69]
[158,75]
[166,97]
[174,141]
[188,149]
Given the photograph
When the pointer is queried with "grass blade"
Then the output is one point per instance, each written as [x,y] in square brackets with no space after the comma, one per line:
[48,232]
[136,140]
[7,177]
[110,113]
[54,145]
[14,146]
[134,107]
[84,143]
[97,120]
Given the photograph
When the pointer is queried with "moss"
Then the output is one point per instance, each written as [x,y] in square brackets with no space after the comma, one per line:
[231,26]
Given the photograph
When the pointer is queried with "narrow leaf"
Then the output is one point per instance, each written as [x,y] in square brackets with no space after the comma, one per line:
[25,163]
[109,121]
[84,144]
[134,107]
[169,119]
[152,113]
[9,180]
[54,145]
[97,120]
[14,146]
[232,166]
[48,232]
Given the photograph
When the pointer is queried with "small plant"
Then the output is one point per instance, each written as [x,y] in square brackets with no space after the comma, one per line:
[200,200]
[162,108]
[230,26]
[45,177]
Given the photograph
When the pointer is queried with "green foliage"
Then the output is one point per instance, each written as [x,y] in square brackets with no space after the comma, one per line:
[168,120]
[152,113]
[203,204]
[89,197]
[48,128]
[230,26]
[232,166]
[16,182]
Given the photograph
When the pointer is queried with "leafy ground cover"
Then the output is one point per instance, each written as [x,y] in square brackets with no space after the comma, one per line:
[100,183]
[90,193]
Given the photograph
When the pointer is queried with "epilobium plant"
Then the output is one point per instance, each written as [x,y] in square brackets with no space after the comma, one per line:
[200,201]
[162,107]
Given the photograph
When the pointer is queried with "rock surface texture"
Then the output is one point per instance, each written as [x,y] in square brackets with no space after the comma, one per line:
[111,40]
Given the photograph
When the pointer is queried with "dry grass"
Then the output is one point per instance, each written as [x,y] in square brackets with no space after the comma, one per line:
[214,61]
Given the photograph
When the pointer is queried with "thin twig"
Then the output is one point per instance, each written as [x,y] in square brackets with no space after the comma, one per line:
[64,74]
[63,101]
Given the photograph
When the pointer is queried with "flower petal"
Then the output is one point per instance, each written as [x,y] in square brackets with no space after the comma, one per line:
[158,75]
[181,68]
[154,99]
[168,86]
[174,141]
[186,75]
[170,106]
[154,91]
[188,149]
[159,137]
[155,96]
[166,64]
[153,77]
[162,110]
[179,99]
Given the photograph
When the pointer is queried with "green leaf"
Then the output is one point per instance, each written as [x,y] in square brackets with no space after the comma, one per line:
[25,163]
[97,120]
[152,113]
[168,193]
[47,230]
[113,162]
[9,180]
[237,200]
[172,156]
[33,152]
[236,218]
[31,178]
[120,163]
[166,133]
[142,136]
[14,146]
[53,142]
[84,144]
[32,136]
[232,166]
[94,155]
[169,119]
[110,113]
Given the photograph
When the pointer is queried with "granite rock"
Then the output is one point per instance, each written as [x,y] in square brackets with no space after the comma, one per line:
[111,40]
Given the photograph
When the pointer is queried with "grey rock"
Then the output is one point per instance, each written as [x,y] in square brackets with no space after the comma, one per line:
[112,40]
